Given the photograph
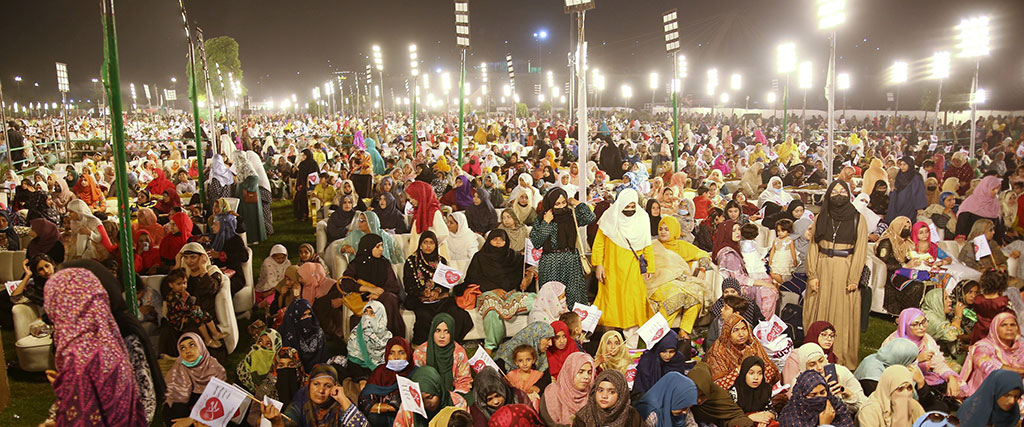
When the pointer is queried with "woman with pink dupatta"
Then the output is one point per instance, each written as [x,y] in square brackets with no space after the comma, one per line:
[1003,348]
[912,325]
[94,382]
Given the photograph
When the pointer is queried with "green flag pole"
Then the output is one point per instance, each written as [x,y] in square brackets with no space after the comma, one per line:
[193,94]
[112,81]
[675,114]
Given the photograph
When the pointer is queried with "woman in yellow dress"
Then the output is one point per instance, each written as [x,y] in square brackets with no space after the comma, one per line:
[622,237]
[674,289]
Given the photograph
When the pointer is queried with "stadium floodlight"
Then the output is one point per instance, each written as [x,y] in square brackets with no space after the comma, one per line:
[414,62]
[62,78]
[786,58]
[712,84]
[724,98]
[771,98]
[831,13]
[627,93]
[804,77]
[843,81]
[681,71]
[446,83]
[578,5]
[899,73]
[506,90]
[736,81]
[378,59]
[670,23]
[939,65]
[462,24]
[979,96]
[973,38]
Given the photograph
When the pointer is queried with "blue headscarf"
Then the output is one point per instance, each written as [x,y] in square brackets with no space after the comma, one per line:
[13,241]
[980,409]
[650,368]
[228,223]
[672,392]
[802,411]
[378,161]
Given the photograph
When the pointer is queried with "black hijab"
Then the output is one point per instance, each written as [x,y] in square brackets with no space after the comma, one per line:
[340,219]
[367,267]
[551,176]
[611,161]
[879,202]
[496,267]
[306,167]
[836,223]
[390,217]
[127,323]
[752,399]
[655,220]
[426,174]
[567,233]
[774,218]
[904,178]
[482,218]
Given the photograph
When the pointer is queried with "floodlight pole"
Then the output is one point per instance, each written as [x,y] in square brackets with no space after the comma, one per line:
[214,140]
[938,102]
[583,124]
[785,109]
[675,111]
[113,82]
[830,153]
[3,128]
[64,118]
[462,103]
[974,104]
[194,94]
[415,136]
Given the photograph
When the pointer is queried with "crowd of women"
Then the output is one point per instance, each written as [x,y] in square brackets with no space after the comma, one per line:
[720,244]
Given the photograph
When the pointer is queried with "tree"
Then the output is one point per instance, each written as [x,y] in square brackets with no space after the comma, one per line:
[222,53]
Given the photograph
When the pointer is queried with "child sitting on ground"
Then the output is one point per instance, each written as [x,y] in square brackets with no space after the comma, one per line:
[761,289]
[525,377]
[701,203]
[783,258]
[271,274]
[183,314]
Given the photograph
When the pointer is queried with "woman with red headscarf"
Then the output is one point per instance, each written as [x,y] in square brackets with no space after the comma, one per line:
[426,215]
[87,190]
[181,233]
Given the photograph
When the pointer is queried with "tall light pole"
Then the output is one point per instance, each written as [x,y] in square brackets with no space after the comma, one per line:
[484,87]
[939,71]
[831,14]
[462,40]
[414,64]
[898,75]
[786,62]
[804,81]
[580,8]
[378,61]
[64,87]
[670,25]
[193,93]
[974,42]
[511,88]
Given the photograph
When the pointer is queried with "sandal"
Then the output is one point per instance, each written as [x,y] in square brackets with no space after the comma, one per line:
[214,344]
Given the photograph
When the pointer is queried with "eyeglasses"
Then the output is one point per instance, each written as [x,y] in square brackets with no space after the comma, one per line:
[936,417]
[831,335]
[919,324]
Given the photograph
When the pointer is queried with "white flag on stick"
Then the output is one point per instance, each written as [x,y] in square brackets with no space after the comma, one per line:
[589,315]
[654,330]
[481,360]
[532,254]
[412,399]
[217,404]
[981,248]
[447,276]
[268,401]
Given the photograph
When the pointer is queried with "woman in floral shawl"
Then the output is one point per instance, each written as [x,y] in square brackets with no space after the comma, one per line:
[811,394]
[424,296]
[301,330]
[1003,348]
[736,343]
[368,223]
[189,376]
[366,343]
[90,356]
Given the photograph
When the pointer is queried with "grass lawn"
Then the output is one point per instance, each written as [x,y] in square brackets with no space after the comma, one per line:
[31,395]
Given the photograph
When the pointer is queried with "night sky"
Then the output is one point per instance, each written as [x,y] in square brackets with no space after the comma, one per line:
[290,46]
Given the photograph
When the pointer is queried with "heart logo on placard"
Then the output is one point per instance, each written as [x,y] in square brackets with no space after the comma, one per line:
[451,277]
[237,412]
[536,253]
[478,365]
[582,314]
[631,374]
[657,335]
[213,410]
[415,396]
[976,248]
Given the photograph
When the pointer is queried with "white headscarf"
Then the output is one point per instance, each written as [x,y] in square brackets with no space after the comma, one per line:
[375,335]
[633,231]
[569,188]
[220,172]
[463,243]
[261,172]
[771,194]
[272,273]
